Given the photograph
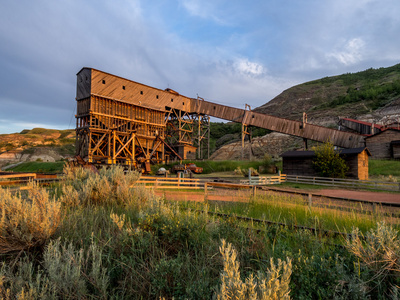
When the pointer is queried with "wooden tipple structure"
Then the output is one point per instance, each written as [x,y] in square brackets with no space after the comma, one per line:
[120,121]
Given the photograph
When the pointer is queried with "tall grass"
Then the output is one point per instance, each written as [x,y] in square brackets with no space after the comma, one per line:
[294,211]
[118,240]
[27,222]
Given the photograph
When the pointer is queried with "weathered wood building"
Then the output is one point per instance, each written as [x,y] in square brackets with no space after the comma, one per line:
[301,162]
[362,127]
[125,122]
[383,144]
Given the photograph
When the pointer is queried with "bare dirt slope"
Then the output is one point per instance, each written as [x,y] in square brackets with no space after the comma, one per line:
[36,144]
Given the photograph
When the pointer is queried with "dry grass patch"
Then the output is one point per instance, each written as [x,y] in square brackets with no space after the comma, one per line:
[27,222]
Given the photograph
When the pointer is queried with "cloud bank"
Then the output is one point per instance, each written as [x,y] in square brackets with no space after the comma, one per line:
[230,52]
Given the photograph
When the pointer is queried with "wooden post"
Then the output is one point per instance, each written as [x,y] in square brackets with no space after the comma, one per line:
[254,191]
[208,142]
[305,144]
[205,193]
[375,209]
[114,161]
[243,141]
[133,149]
[310,200]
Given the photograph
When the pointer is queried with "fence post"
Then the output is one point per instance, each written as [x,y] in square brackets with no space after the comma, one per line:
[156,183]
[310,200]
[205,193]
[254,191]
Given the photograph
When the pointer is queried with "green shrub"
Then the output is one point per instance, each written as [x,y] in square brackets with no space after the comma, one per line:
[328,163]
[380,256]
[67,273]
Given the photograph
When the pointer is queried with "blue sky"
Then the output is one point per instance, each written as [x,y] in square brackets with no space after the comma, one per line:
[231,52]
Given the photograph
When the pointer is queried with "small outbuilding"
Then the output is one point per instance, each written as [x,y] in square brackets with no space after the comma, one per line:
[395,146]
[301,162]
[384,144]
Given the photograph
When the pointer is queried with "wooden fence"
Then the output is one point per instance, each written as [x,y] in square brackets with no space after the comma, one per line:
[264,180]
[345,183]
[172,182]
[16,178]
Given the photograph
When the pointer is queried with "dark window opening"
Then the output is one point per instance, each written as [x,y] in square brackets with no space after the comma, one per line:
[104,82]
[156,96]
[183,103]
[123,87]
[141,92]
[252,116]
[214,107]
[172,100]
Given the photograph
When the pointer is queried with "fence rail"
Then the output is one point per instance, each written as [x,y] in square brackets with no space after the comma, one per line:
[338,182]
[172,182]
[264,180]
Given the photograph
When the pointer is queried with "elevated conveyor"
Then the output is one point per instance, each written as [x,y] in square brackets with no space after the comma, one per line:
[123,121]
[295,128]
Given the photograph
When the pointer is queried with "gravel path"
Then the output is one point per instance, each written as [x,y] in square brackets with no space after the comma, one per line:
[361,195]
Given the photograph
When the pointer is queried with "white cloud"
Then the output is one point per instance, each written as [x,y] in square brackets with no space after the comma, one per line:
[245,66]
[204,10]
[350,53]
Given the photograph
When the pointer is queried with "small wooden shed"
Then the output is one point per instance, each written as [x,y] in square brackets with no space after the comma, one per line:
[382,145]
[301,162]
[395,146]
[187,151]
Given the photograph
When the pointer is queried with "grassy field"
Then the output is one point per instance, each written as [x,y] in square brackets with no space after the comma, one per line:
[39,167]
[101,236]
[380,167]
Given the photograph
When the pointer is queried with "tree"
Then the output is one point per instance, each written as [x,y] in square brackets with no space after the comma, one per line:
[328,163]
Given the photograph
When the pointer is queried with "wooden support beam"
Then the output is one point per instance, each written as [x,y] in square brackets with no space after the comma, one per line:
[124,146]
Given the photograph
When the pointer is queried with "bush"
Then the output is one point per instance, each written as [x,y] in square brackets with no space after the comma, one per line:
[328,163]
[109,186]
[67,273]
[380,255]
[27,223]
[272,285]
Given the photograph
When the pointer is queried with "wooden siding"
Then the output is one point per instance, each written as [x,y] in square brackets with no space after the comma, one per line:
[116,88]
[396,151]
[298,166]
[360,127]
[379,144]
[303,166]
[83,83]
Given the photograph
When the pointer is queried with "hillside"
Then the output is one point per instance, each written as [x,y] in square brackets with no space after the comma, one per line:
[372,95]
[37,144]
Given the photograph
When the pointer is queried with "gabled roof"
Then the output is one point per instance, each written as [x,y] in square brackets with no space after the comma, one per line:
[354,151]
[391,129]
